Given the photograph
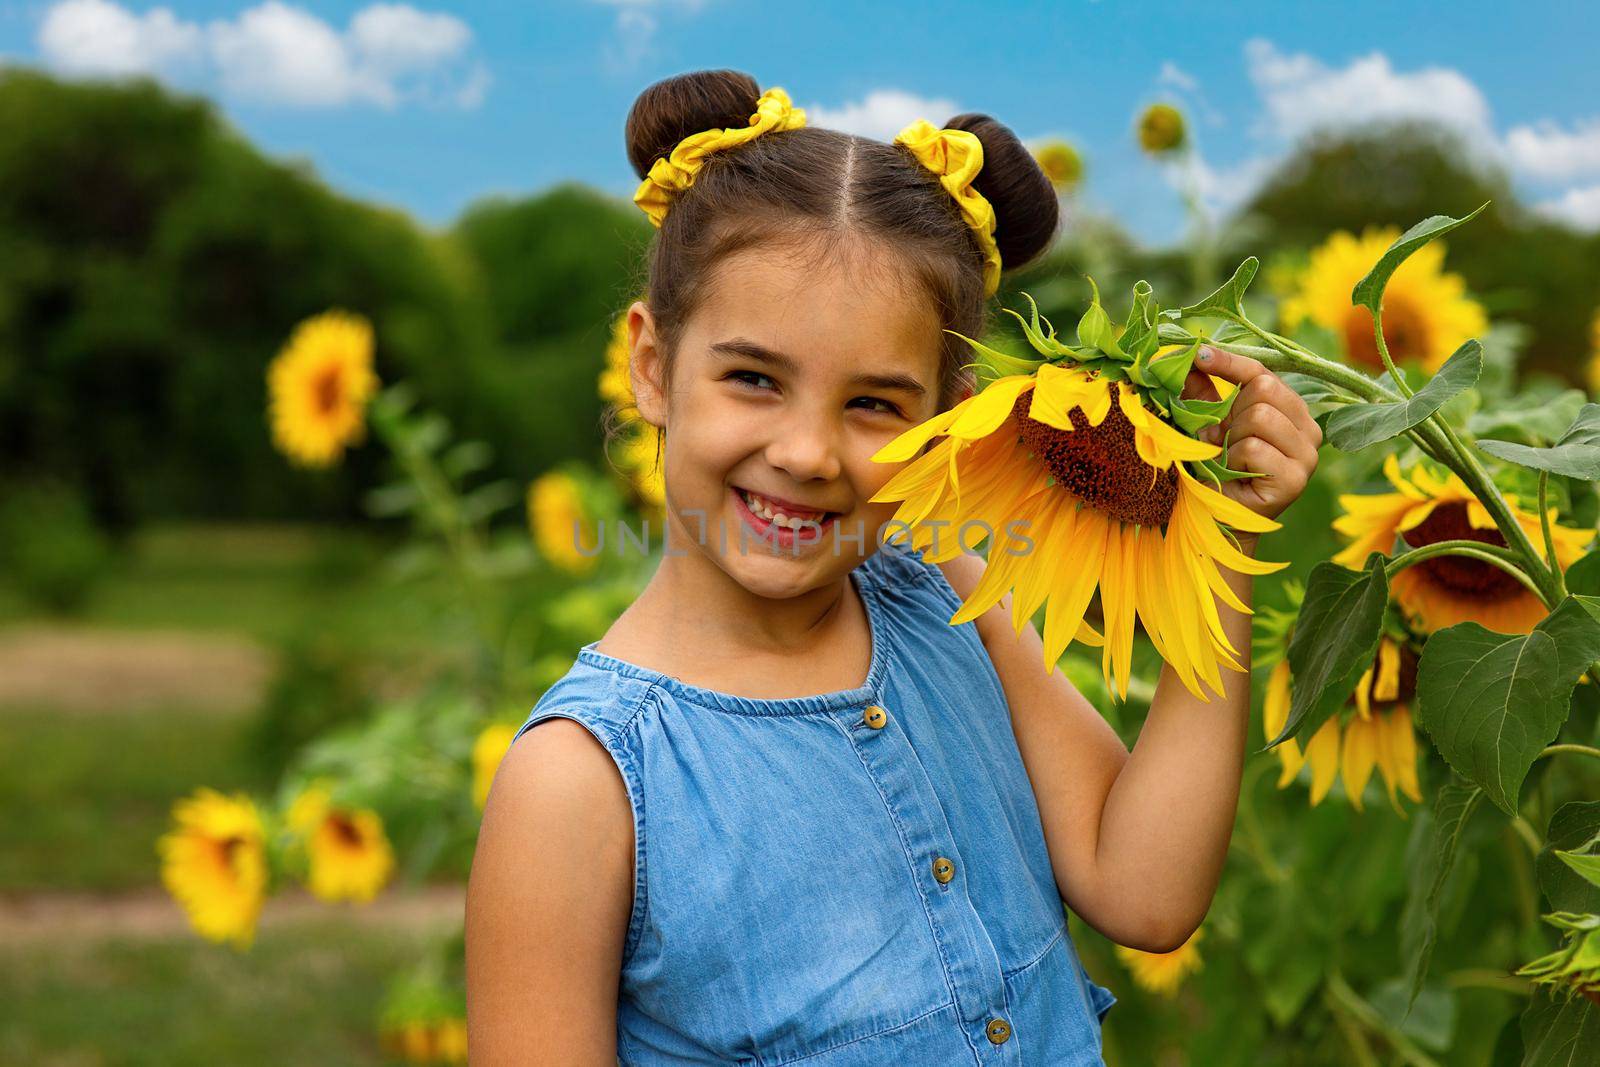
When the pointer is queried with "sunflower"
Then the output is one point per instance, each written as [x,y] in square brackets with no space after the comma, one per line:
[1162,972]
[560,522]
[1060,163]
[350,857]
[1378,733]
[1161,129]
[487,751]
[1442,591]
[214,863]
[1076,454]
[639,440]
[1426,312]
[318,387]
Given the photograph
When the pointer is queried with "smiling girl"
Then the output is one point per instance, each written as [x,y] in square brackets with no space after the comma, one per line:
[782,811]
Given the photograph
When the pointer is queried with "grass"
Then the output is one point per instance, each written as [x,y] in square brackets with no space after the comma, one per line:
[310,993]
[89,795]
[269,582]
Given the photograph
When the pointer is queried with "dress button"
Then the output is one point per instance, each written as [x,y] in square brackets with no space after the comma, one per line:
[998,1030]
[876,717]
[943,869]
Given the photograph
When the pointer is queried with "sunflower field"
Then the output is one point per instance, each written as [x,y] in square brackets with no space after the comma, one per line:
[1414,873]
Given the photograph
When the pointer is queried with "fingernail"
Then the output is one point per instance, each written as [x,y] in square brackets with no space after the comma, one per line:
[1204,356]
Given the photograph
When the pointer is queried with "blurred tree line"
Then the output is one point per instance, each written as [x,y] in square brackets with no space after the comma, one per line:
[152,262]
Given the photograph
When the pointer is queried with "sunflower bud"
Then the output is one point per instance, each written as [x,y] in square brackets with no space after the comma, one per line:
[1161,129]
[1575,966]
[1061,164]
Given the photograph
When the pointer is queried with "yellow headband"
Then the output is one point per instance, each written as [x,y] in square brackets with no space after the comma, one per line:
[671,175]
[956,156]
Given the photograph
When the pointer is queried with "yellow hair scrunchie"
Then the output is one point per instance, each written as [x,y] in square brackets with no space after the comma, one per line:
[673,174]
[956,156]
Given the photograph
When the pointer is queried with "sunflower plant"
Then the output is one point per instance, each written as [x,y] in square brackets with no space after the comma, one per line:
[1463,604]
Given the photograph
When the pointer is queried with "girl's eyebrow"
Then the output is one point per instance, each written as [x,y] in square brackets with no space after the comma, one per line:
[740,347]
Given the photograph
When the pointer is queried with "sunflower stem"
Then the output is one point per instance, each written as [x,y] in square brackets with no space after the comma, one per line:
[1482,978]
[1570,749]
[1383,350]
[1357,1007]
[1529,835]
[1505,559]
[1549,538]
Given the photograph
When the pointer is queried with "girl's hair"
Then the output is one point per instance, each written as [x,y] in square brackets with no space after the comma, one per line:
[834,185]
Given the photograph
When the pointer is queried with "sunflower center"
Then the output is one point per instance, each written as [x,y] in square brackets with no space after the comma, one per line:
[325,390]
[1405,331]
[1101,464]
[344,831]
[1471,577]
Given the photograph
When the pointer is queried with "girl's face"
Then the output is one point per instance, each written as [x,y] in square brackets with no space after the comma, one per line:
[794,369]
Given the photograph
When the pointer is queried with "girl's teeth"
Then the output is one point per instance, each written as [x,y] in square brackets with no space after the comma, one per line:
[759,506]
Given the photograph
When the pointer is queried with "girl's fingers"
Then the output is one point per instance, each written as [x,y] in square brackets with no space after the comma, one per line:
[1278,428]
[1228,365]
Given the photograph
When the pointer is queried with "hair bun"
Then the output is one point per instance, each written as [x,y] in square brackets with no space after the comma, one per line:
[1025,205]
[673,108]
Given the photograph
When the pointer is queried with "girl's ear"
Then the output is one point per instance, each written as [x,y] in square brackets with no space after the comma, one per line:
[646,365]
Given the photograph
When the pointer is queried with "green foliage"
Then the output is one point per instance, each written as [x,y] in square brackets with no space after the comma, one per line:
[1575,454]
[1357,426]
[1334,640]
[318,688]
[50,547]
[1572,827]
[1435,837]
[1491,701]
[1368,292]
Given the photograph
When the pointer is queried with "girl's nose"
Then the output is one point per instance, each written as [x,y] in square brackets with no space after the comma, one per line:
[806,448]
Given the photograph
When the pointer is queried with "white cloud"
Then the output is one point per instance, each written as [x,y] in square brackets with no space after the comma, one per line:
[1301,93]
[881,114]
[1224,189]
[276,53]
[636,25]
[1175,76]
[1545,150]
[1577,207]
[96,37]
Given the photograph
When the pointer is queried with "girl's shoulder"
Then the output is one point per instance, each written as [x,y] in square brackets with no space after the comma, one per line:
[905,574]
[605,701]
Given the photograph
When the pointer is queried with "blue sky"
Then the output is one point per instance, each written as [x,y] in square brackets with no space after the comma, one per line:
[428,106]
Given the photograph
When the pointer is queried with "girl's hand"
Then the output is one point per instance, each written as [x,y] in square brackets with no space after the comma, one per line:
[1270,431]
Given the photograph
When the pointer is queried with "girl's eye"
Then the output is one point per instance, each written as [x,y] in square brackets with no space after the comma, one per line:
[887,408]
[742,375]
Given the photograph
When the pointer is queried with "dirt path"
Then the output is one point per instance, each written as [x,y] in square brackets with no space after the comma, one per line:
[151,914]
[103,671]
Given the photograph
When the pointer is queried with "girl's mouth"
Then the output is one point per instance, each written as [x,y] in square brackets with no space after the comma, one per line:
[777,526]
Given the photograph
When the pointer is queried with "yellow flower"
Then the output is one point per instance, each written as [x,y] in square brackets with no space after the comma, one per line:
[440,1040]
[1378,735]
[1161,129]
[1060,163]
[1594,354]
[1426,312]
[214,863]
[639,439]
[350,856]
[318,387]
[487,752]
[1100,483]
[559,523]
[1162,972]
[1445,590]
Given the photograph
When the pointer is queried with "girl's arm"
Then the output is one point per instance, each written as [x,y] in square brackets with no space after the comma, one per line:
[548,902]
[1137,841]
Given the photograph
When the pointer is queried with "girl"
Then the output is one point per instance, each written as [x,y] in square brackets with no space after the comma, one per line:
[782,812]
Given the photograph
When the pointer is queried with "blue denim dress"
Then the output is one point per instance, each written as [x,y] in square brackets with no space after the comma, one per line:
[842,880]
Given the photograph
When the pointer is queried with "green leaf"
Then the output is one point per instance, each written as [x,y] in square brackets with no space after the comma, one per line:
[1310,389]
[1171,371]
[1571,828]
[1228,300]
[1492,701]
[1139,336]
[1368,292]
[1584,575]
[1094,329]
[1576,454]
[1437,835]
[1335,638]
[1356,426]
[999,364]
[1433,1026]
[1191,414]
[1530,418]
[1587,866]
[1560,1032]
[1170,333]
